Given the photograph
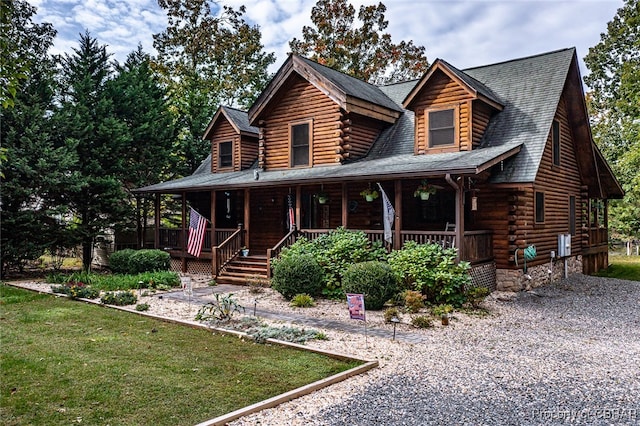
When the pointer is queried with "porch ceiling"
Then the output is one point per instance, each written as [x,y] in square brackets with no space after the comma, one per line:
[397,166]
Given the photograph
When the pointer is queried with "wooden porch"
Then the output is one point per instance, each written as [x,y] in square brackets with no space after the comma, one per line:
[227,244]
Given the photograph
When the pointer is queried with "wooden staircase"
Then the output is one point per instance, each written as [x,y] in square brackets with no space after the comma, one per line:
[241,268]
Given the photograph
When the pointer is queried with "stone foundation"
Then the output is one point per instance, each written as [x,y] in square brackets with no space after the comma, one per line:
[517,280]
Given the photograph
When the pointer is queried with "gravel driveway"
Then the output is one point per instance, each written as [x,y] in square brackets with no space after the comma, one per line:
[563,354]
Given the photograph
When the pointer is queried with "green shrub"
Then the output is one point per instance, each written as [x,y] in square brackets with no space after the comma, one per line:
[119,298]
[141,307]
[302,301]
[76,290]
[413,300]
[162,280]
[297,274]
[441,310]
[476,295]
[335,252]
[431,270]
[130,261]
[422,321]
[375,280]
[390,313]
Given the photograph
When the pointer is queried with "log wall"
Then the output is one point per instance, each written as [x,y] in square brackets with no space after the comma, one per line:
[443,91]
[299,100]
[510,212]
[480,119]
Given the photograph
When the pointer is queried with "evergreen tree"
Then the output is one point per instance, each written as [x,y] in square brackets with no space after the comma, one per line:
[366,51]
[87,121]
[31,218]
[141,104]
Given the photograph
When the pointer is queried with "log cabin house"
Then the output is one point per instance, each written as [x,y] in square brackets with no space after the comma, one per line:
[505,148]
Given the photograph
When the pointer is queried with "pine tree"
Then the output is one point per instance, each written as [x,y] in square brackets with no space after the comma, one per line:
[142,105]
[87,121]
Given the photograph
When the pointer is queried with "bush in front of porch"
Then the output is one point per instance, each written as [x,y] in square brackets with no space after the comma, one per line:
[431,270]
[335,252]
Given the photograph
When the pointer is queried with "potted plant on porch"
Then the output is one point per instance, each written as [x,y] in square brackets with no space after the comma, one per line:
[323,197]
[369,194]
[244,251]
[424,190]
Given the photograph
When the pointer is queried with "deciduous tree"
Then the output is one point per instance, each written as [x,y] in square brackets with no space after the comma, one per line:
[365,51]
[208,58]
[614,103]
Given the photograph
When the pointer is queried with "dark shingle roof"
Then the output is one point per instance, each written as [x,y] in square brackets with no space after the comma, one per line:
[529,88]
[475,84]
[352,86]
[240,119]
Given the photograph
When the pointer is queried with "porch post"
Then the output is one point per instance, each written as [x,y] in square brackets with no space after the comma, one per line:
[397,237]
[345,206]
[214,243]
[459,187]
[247,216]
[184,232]
[298,206]
[156,218]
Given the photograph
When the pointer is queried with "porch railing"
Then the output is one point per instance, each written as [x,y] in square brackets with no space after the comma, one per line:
[228,249]
[477,245]
[288,239]
[172,238]
[446,239]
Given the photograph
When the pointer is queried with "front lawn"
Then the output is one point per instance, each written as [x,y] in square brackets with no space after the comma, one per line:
[65,362]
[622,267]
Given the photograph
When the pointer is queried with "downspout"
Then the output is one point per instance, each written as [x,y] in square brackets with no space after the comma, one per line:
[459,216]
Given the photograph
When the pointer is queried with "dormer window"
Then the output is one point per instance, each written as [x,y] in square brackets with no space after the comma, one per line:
[442,125]
[300,143]
[225,155]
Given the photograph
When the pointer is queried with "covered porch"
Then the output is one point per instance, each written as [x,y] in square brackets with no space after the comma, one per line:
[261,219]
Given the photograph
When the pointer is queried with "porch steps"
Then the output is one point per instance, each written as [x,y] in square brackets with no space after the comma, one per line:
[240,269]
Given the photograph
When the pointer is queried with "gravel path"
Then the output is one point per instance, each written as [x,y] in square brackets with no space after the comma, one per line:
[564,354]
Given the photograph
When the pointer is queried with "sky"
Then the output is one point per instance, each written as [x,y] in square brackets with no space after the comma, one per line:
[464,33]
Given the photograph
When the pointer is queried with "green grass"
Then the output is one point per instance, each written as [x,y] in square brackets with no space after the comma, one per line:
[623,267]
[64,361]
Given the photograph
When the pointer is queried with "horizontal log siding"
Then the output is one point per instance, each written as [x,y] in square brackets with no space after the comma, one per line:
[510,213]
[300,100]
[481,116]
[557,183]
[442,91]
[248,151]
[224,132]
[360,135]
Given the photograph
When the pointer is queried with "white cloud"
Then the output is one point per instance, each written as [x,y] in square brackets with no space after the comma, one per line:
[465,33]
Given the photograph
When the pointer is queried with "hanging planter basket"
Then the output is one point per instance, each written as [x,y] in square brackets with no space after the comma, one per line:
[369,194]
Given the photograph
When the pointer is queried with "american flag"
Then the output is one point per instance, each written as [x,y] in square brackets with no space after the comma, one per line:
[197,228]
